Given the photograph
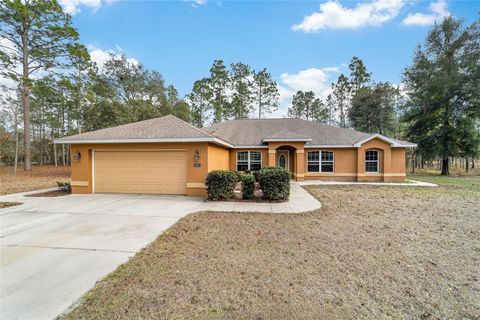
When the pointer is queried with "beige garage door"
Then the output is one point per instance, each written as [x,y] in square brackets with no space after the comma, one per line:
[162,172]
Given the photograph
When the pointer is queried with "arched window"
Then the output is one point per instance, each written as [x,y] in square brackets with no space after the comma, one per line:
[282,161]
[371,161]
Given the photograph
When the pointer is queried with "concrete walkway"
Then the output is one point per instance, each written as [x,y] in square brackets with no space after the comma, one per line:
[408,183]
[300,201]
[53,250]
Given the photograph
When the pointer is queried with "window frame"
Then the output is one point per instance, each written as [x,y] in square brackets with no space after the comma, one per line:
[372,161]
[332,162]
[249,160]
[320,161]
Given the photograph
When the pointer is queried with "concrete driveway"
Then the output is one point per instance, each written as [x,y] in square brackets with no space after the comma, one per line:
[53,250]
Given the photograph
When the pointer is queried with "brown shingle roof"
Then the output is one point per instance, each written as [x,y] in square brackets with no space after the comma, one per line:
[252,132]
[239,133]
[167,127]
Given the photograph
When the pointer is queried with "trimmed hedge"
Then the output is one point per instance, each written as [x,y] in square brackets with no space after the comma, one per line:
[275,183]
[221,184]
[248,182]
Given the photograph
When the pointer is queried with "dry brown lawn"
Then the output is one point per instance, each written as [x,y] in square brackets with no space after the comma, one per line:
[39,178]
[369,253]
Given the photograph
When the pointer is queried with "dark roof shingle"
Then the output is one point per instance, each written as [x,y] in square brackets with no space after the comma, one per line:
[158,128]
[251,132]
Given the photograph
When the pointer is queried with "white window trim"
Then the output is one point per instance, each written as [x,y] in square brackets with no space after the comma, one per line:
[320,161]
[248,161]
[377,161]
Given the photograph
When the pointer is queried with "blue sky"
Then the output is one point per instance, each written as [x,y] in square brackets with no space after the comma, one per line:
[304,44]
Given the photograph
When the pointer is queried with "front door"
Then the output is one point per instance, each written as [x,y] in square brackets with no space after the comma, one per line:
[282,159]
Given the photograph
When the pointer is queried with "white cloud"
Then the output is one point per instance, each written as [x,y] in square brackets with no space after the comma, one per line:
[333,15]
[197,3]
[73,6]
[312,79]
[438,9]
[100,56]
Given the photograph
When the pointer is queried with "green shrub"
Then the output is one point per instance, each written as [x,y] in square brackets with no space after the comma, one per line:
[221,184]
[64,186]
[255,175]
[275,183]
[248,182]
[238,176]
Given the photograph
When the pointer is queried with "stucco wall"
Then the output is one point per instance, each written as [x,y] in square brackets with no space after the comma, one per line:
[82,169]
[233,157]
[218,158]
[349,163]
[344,167]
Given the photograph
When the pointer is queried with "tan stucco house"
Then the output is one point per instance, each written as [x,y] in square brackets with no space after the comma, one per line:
[169,156]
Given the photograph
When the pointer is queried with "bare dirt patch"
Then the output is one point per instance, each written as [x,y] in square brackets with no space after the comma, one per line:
[40,177]
[369,253]
[4,204]
[53,193]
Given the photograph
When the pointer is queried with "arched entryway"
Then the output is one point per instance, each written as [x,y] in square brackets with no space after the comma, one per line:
[285,157]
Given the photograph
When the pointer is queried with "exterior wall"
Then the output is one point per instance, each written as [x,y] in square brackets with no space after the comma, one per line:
[398,165]
[218,158]
[233,157]
[298,160]
[344,165]
[349,163]
[82,179]
[391,166]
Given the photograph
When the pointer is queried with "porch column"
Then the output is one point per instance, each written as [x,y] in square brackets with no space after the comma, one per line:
[300,164]
[271,157]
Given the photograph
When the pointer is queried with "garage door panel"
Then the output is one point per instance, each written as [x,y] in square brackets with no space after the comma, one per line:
[162,172]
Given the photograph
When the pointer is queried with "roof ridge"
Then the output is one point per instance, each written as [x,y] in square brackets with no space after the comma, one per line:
[190,125]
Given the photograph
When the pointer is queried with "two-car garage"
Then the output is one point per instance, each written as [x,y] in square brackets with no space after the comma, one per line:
[134,171]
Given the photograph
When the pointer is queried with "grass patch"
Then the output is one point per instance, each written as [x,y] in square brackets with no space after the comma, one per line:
[6,204]
[472,183]
[371,252]
[40,177]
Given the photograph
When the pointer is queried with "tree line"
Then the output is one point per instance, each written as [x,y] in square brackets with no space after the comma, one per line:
[56,90]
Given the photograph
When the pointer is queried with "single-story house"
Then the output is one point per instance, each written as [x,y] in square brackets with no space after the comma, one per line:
[169,156]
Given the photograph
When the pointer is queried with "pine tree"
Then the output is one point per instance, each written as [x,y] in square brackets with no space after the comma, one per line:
[443,89]
[37,34]
[265,93]
[241,86]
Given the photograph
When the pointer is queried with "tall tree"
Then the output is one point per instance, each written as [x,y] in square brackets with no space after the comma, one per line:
[340,96]
[265,93]
[199,100]
[359,76]
[373,109]
[241,83]
[219,84]
[443,85]
[308,107]
[37,34]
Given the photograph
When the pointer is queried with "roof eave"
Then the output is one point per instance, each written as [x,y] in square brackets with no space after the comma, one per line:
[103,141]
[393,143]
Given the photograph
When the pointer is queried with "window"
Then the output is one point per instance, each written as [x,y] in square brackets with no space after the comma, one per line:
[371,161]
[282,162]
[249,160]
[320,161]
[313,161]
[327,161]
